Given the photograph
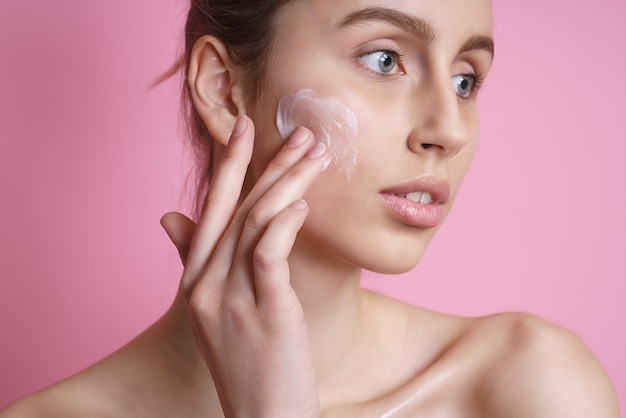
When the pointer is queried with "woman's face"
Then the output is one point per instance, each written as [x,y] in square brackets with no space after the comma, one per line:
[407,70]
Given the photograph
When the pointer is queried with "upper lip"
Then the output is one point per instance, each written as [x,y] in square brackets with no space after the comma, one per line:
[439,189]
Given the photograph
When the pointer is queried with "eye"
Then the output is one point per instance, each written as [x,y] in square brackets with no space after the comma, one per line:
[382,61]
[464,84]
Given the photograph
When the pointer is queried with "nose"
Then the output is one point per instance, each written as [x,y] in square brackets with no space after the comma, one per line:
[439,126]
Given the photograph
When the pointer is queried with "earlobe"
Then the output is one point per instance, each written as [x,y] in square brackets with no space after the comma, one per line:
[212,82]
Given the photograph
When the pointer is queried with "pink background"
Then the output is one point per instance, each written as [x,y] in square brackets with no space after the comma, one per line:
[89,160]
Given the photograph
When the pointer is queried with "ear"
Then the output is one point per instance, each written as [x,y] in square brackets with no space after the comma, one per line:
[215,87]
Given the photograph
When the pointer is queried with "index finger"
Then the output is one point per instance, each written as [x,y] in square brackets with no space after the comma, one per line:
[223,195]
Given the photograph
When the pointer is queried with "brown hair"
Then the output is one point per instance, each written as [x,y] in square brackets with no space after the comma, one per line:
[246,28]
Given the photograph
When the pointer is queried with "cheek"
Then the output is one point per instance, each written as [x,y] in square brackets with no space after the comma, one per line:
[459,165]
[469,150]
[330,121]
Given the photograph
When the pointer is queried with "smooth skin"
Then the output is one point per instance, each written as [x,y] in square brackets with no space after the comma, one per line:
[270,320]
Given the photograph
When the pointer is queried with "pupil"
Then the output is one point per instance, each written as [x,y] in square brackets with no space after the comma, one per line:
[386,60]
[464,84]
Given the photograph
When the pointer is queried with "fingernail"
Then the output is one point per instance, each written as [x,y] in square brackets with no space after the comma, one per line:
[327,163]
[240,126]
[318,150]
[299,205]
[297,138]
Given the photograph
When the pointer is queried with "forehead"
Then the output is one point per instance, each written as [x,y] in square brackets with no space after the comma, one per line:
[449,19]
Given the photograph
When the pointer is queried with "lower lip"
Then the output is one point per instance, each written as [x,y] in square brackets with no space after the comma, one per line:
[412,213]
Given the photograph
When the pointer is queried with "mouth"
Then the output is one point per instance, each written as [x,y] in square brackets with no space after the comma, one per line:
[418,202]
[425,190]
[423,198]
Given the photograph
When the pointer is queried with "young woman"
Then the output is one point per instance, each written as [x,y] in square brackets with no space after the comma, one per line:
[333,137]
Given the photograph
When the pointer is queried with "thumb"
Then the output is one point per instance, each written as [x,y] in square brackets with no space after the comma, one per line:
[180,229]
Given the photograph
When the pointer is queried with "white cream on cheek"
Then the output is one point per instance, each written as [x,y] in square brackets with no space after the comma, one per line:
[329,119]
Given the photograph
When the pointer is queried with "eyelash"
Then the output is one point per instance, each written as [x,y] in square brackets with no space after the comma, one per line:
[398,55]
[477,82]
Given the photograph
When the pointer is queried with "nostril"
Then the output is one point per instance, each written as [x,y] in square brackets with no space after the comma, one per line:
[426,146]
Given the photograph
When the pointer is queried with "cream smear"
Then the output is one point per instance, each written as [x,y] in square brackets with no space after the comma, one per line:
[329,119]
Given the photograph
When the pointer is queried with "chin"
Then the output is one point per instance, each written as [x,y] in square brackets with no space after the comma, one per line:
[392,260]
[392,267]
[380,250]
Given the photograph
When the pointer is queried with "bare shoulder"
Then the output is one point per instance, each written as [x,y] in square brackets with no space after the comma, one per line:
[57,401]
[95,392]
[543,371]
[141,379]
[28,407]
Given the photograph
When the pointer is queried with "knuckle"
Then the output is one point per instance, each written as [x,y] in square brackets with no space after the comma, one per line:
[280,164]
[239,218]
[212,198]
[258,217]
[185,287]
[266,261]
[203,302]
[199,303]
[242,213]
[211,201]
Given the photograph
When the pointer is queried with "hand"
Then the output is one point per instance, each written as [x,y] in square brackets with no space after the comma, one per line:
[246,317]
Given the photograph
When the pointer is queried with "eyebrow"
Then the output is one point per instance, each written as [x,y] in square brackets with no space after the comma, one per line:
[412,24]
[479,42]
[417,26]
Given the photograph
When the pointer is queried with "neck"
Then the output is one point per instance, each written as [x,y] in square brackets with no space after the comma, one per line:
[332,302]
